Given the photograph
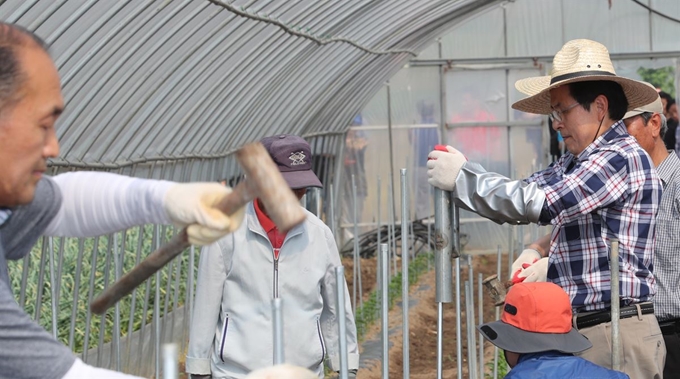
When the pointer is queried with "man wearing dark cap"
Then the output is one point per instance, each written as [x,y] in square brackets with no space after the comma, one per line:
[232,329]
[537,338]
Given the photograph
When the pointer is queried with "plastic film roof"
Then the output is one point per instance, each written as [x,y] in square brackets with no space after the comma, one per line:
[171,79]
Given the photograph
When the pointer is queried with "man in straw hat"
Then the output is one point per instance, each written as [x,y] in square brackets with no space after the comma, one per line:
[605,187]
[537,338]
[649,126]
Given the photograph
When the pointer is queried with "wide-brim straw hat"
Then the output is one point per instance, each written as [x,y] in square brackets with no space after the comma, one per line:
[579,60]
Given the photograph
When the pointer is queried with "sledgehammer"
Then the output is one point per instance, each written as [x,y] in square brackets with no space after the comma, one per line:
[263,181]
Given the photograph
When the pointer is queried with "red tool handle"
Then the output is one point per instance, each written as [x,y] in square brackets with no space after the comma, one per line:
[515,278]
[439,148]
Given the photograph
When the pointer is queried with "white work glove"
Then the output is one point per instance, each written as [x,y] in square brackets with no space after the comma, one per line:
[537,272]
[443,168]
[194,205]
[527,256]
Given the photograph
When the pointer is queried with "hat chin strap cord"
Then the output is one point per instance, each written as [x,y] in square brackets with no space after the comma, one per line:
[598,130]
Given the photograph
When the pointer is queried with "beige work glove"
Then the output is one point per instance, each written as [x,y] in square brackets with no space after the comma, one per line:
[527,256]
[443,168]
[194,205]
[537,272]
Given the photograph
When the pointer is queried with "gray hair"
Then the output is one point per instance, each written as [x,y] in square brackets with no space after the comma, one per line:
[664,126]
[646,116]
[13,37]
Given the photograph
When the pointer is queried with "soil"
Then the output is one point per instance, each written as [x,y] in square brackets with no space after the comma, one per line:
[423,329]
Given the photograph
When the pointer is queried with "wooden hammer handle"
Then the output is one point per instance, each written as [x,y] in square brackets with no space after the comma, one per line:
[159,258]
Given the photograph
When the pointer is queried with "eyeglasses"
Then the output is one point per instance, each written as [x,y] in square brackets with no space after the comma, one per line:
[556,115]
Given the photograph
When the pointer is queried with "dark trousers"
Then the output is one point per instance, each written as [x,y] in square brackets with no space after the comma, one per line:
[671,370]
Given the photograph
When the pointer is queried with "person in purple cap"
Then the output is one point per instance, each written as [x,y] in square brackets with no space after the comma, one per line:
[238,276]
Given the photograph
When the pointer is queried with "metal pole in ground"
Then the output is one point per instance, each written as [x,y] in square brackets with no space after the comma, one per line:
[404,272]
[313,201]
[429,226]
[480,304]
[277,316]
[455,235]
[342,328]
[615,306]
[384,258]
[378,243]
[393,227]
[356,243]
[442,265]
[470,318]
[498,315]
[331,211]
[355,255]
[170,361]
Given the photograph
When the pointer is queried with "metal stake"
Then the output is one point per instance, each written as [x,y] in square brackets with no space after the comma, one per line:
[404,273]
[442,265]
[277,316]
[342,328]
[480,304]
[470,315]
[170,361]
[615,306]
[384,305]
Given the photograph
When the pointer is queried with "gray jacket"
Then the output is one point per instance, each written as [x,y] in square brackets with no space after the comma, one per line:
[231,328]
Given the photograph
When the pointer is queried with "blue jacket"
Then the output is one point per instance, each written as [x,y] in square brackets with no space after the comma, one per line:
[556,365]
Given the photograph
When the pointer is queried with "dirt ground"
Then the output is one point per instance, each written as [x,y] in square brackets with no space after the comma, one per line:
[423,329]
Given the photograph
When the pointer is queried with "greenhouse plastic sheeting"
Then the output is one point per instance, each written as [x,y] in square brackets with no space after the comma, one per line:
[191,79]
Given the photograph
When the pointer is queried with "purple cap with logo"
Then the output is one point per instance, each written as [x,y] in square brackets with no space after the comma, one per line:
[293,157]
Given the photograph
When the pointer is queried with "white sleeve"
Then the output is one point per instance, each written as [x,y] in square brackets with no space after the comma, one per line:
[80,370]
[98,203]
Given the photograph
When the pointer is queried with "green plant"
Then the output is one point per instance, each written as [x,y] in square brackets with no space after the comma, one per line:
[370,309]
[663,77]
[83,268]
[503,367]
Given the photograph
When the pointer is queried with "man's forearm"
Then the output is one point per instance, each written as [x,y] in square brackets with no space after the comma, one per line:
[541,245]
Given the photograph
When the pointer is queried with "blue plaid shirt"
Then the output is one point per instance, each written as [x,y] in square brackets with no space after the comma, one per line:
[611,190]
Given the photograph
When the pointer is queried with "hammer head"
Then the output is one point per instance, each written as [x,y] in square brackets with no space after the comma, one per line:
[264,181]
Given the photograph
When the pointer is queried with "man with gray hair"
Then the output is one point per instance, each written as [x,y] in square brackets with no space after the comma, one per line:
[648,125]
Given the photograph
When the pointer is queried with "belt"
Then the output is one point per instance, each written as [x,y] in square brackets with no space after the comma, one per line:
[593,319]
[670,327]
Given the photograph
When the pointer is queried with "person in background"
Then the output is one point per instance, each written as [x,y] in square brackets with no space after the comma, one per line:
[423,139]
[355,149]
[231,331]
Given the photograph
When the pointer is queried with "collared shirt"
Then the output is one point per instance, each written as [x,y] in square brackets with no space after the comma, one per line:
[4,215]
[667,249]
[275,236]
[611,190]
